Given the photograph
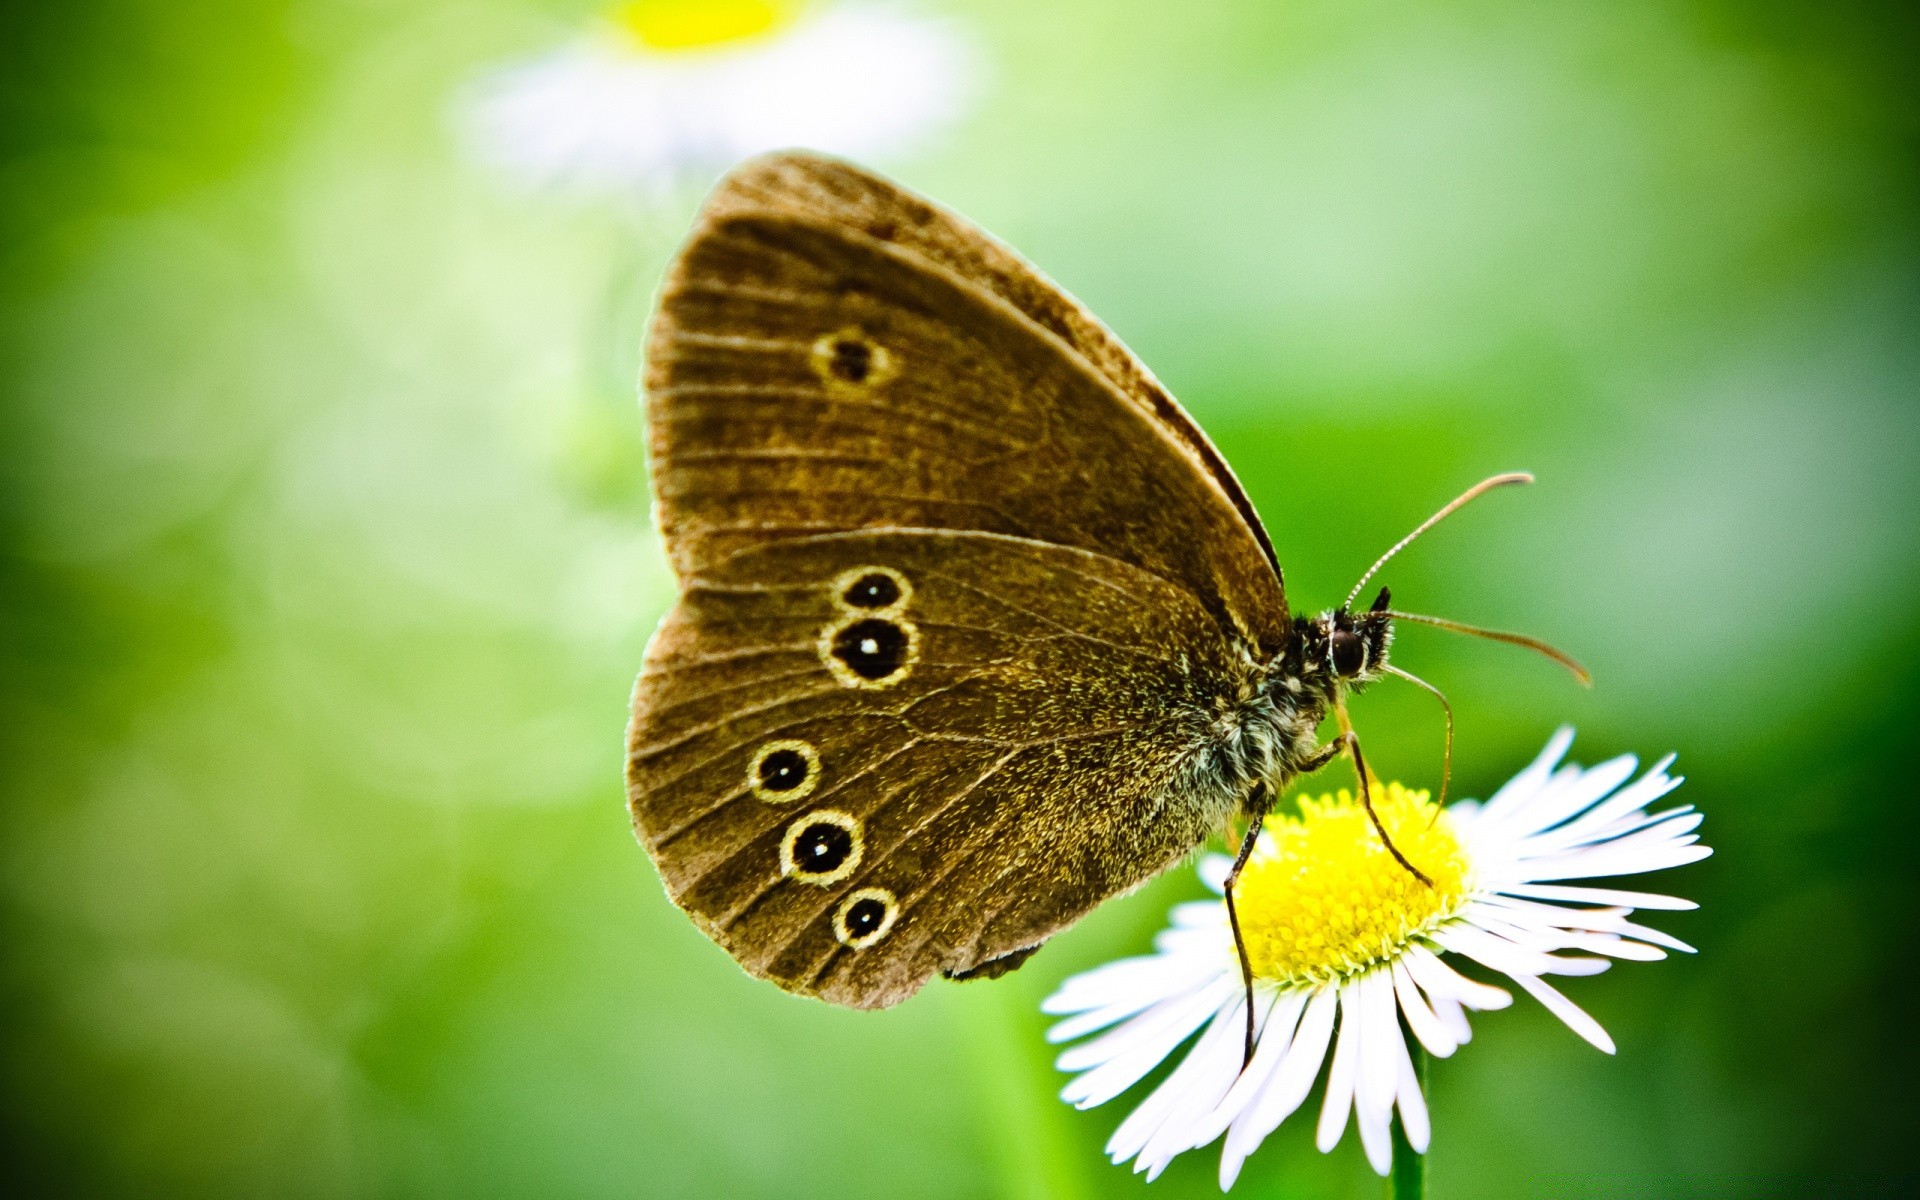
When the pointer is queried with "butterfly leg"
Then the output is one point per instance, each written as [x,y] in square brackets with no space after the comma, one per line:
[1351,742]
[1257,802]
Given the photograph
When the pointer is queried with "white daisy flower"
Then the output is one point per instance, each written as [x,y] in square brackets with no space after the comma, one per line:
[670,90]
[1346,945]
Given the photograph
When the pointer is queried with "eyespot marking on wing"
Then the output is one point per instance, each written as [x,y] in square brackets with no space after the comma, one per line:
[850,360]
[783,771]
[875,590]
[821,848]
[865,916]
[870,652]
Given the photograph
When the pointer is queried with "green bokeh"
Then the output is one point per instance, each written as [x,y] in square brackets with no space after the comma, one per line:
[328,566]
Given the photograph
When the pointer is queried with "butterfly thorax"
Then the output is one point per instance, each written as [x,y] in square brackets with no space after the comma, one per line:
[1268,732]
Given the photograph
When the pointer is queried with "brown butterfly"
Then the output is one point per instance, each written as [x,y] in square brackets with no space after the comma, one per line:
[976,627]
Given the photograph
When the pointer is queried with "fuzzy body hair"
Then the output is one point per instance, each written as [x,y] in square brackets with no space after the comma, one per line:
[1267,730]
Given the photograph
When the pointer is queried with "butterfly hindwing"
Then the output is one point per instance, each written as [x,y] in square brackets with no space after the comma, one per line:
[1001,761]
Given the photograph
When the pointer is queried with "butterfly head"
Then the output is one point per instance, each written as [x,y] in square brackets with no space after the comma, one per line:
[1349,647]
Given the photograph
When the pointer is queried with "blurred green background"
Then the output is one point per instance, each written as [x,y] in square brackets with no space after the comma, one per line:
[328,567]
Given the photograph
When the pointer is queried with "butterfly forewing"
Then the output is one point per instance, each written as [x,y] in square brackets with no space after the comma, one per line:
[832,353]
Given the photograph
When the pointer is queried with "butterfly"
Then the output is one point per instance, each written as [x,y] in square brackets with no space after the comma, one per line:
[976,629]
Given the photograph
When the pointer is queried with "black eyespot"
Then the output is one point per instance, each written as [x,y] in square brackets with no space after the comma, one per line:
[871,649]
[872,590]
[851,360]
[1349,653]
[864,916]
[821,847]
[783,770]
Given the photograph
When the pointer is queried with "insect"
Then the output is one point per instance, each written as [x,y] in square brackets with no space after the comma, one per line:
[976,628]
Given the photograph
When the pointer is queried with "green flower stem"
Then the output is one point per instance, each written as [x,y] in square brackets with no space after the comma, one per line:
[1409,1178]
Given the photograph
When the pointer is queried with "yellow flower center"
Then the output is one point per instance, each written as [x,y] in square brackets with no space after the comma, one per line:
[701,24]
[1323,898]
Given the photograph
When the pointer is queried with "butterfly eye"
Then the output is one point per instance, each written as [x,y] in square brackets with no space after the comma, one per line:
[1349,653]
[865,916]
[821,848]
[783,771]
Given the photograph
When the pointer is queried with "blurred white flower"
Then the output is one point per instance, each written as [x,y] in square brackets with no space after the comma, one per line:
[664,91]
[1342,938]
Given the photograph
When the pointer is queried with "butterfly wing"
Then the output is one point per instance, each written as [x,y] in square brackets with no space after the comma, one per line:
[831,352]
[861,759]
[853,395]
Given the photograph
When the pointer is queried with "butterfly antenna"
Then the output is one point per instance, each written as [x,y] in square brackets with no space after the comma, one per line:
[1446,769]
[1512,639]
[1455,505]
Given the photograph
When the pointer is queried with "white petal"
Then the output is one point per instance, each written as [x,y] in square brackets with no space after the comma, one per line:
[1535,914]
[1579,966]
[1643,792]
[1491,951]
[1376,1137]
[1528,783]
[1203,943]
[1628,860]
[1216,1050]
[1213,870]
[1134,1132]
[1453,1016]
[1667,823]
[1288,1087]
[1374,1085]
[603,114]
[1527,931]
[1427,1027]
[1576,1019]
[1573,794]
[1438,980]
[1105,985]
[1413,1105]
[1596,895]
[1589,895]
[1276,1035]
[1612,947]
[1378,1076]
[1340,1077]
[1146,1048]
[1569,925]
[1199,914]
[1147,1024]
[1122,996]
[1658,938]
[1206,1087]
